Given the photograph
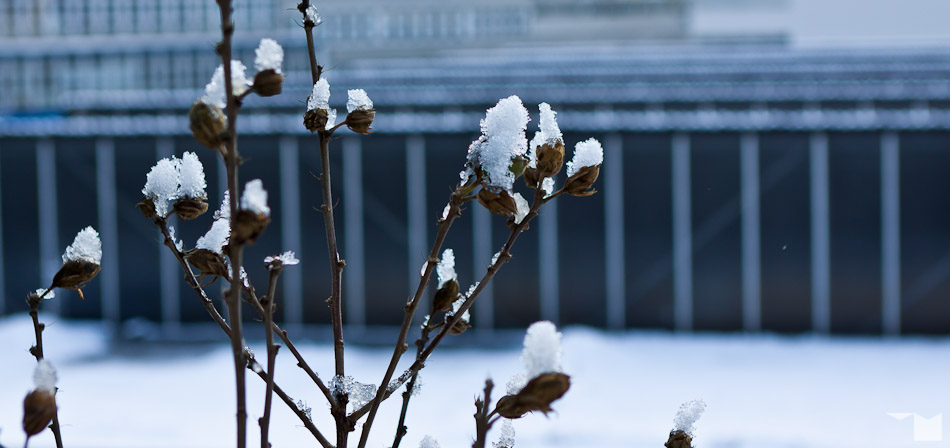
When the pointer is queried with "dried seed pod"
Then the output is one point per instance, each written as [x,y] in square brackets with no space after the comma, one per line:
[315,120]
[75,274]
[208,262]
[580,183]
[360,120]
[500,203]
[679,439]
[550,159]
[39,407]
[459,327]
[148,208]
[190,208]
[445,295]
[268,83]
[518,165]
[249,225]
[537,395]
[207,123]
[531,178]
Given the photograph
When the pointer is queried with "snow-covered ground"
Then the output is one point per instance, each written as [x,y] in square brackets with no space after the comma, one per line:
[760,391]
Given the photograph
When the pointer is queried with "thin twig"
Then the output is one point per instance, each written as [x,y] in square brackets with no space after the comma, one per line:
[37,352]
[401,428]
[456,200]
[301,414]
[482,425]
[269,305]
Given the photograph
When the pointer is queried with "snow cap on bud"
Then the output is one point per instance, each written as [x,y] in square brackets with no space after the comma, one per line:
[546,150]
[319,116]
[682,434]
[279,261]
[269,79]
[253,215]
[214,90]
[359,111]
[584,168]
[501,141]
[39,406]
[81,262]
[208,254]
[448,291]
[192,199]
[207,123]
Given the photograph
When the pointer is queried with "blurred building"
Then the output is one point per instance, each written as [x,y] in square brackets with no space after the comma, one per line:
[752,182]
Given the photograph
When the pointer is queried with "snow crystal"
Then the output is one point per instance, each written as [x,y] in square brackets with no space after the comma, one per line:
[331,118]
[224,211]
[161,184]
[254,198]
[457,305]
[507,437]
[44,377]
[302,405]
[429,442]
[191,177]
[494,258]
[687,415]
[313,15]
[269,55]
[586,153]
[542,349]
[287,258]
[179,244]
[85,247]
[445,211]
[357,99]
[522,210]
[516,383]
[49,295]
[502,139]
[320,97]
[247,283]
[550,132]
[216,237]
[547,186]
[359,393]
[214,91]
[446,267]
[533,150]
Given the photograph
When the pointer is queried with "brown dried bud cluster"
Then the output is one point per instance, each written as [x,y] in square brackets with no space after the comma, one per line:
[499,203]
[581,182]
[249,225]
[188,208]
[39,407]
[268,83]
[208,262]
[550,159]
[148,208]
[679,439]
[208,124]
[445,296]
[360,120]
[74,275]
[537,395]
[315,120]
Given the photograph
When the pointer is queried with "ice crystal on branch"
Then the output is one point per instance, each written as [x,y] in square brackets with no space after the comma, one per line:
[44,376]
[446,268]
[254,198]
[313,15]
[269,55]
[214,90]
[285,259]
[85,247]
[429,442]
[687,416]
[547,186]
[161,184]
[523,208]
[224,212]
[359,393]
[502,139]
[216,237]
[357,99]
[586,153]
[320,97]
[191,177]
[49,295]
[507,437]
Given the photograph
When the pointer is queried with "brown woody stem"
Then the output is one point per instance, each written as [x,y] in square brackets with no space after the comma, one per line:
[269,305]
[37,352]
[482,424]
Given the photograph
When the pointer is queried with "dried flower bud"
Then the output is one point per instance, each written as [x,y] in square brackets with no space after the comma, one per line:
[315,120]
[190,208]
[550,159]
[531,177]
[39,407]
[249,225]
[75,274]
[208,123]
[445,295]
[208,262]
[580,183]
[459,327]
[679,439]
[268,83]
[537,395]
[360,120]
[518,165]
[148,208]
[500,203]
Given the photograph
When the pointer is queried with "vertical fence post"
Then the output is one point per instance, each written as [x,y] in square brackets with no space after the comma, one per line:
[48,219]
[354,275]
[820,235]
[751,242]
[548,266]
[168,270]
[108,228]
[682,234]
[614,232]
[890,234]
[290,227]
[415,206]
[482,251]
